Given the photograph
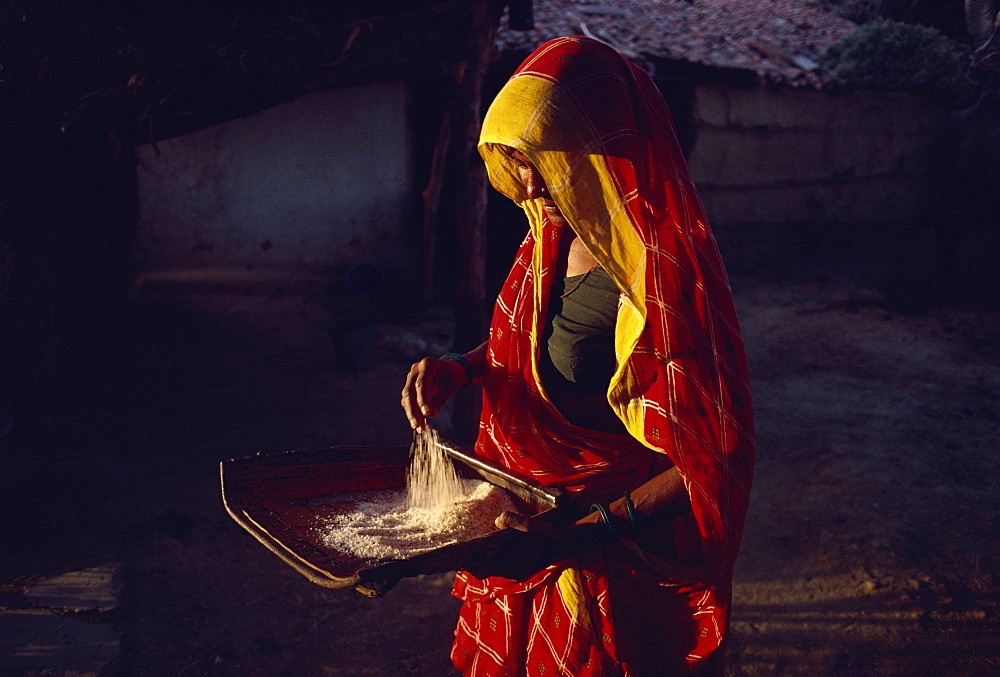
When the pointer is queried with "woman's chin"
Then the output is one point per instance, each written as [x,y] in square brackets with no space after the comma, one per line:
[555,216]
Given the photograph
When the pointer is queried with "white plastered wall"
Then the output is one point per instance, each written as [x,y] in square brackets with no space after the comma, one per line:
[321,181]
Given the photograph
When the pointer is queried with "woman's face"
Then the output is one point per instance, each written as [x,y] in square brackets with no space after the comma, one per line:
[534,186]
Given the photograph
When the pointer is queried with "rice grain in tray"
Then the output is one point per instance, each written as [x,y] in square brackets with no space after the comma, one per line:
[384,525]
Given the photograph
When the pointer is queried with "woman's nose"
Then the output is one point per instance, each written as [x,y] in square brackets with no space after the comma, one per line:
[535,185]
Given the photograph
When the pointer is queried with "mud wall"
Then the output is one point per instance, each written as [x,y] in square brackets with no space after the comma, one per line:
[767,156]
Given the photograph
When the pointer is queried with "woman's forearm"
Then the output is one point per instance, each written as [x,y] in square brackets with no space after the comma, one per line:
[477,358]
[661,498]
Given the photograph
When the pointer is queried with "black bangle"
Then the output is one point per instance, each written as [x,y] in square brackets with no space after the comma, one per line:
[464,361]
[630,506]
[597,507]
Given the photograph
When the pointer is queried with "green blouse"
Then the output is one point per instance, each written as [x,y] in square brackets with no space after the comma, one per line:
[579,339]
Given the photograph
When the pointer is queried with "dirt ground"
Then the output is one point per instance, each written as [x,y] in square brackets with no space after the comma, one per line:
[871,546]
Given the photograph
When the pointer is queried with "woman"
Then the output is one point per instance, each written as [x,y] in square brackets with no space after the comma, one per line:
[614,369]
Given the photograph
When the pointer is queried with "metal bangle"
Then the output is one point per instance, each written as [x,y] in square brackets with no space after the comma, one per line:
[464,361]
[597,507]
[630,506]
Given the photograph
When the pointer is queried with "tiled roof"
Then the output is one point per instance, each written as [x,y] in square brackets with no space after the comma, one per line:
[778,40]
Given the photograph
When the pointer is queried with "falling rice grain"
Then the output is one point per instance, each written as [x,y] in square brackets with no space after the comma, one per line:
[436,509]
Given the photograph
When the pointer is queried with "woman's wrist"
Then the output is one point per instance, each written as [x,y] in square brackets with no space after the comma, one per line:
[473,363]
[466,367]
[614,524]
[616,519]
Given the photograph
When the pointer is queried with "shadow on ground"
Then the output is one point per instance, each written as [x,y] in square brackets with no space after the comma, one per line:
[870,548]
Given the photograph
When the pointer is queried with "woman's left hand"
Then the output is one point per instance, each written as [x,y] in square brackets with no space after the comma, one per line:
[535,545]
[538,543]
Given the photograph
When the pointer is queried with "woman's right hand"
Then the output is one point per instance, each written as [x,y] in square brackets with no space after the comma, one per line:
[428,386]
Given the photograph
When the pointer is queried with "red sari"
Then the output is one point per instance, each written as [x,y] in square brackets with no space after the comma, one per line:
[601,136]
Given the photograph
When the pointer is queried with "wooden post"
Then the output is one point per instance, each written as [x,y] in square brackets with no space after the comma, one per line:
[470,202]
[432,199]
